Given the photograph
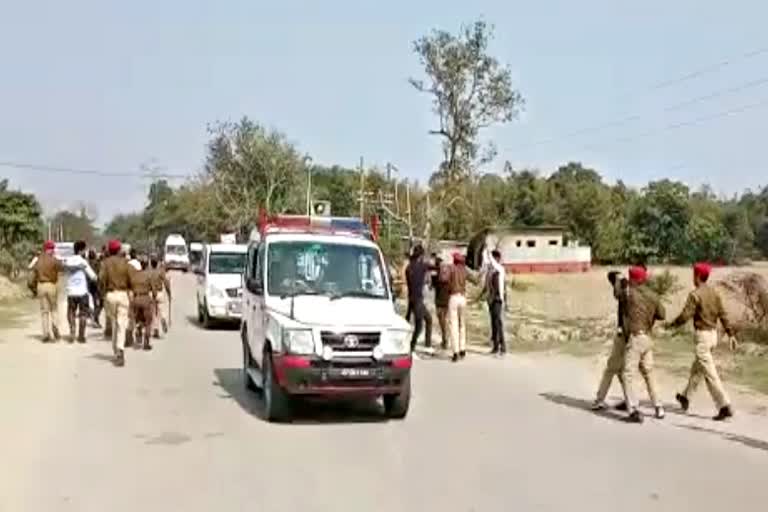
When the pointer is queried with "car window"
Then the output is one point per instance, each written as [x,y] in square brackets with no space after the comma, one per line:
[179,250]
[325,268]
[226,263]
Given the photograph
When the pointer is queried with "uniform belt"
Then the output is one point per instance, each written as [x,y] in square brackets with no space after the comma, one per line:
[141,294]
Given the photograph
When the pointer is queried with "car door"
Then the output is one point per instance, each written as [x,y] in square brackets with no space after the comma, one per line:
[255,303]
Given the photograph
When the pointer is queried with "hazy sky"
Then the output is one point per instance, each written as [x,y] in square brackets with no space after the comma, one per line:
[109,85]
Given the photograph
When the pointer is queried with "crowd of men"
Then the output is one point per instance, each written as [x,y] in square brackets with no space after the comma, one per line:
[133,290]
[639,308]
[449,283]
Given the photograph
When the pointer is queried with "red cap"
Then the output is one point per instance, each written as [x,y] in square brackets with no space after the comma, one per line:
[458,258]
[49,245]
[113,246]
[637,275]
[702,270]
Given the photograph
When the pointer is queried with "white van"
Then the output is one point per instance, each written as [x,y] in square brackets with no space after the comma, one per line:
[219,283]
[176,253]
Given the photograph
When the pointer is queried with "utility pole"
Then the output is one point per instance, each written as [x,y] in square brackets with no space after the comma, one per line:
[408,206]
[307,163]
[362,190]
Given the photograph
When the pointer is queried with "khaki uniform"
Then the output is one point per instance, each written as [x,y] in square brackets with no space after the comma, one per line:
[643,309]
[142,301]
[456,278]
[162,286]
[615,365]
[46,277]
[114,282]
[705,306]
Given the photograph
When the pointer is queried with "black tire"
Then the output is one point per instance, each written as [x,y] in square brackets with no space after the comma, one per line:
[247,363]
[199,314]
[206,320]
[277,403]
[396,406]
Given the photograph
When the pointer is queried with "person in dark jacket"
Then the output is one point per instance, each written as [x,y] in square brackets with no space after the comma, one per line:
[442,294]
[495,294]
[416,277]
[615,364]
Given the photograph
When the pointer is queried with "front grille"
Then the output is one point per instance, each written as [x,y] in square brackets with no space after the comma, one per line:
[233,292]
[344,342]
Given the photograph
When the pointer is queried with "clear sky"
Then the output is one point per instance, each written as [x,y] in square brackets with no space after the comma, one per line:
[109,85]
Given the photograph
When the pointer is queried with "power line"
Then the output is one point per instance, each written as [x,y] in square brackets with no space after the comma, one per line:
[91,172]
[636,117]
[683,124]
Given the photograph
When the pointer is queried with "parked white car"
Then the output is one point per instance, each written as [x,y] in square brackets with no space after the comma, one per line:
[219,283]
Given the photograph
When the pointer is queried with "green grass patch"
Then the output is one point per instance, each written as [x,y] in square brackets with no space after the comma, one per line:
[12,314]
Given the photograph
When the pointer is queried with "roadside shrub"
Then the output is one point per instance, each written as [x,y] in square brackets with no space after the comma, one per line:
[664,284]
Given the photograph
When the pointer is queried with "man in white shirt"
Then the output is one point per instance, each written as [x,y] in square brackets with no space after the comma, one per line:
[496,295]
[133,260]
[78,274]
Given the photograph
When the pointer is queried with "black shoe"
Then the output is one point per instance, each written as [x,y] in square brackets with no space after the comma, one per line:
[494,351]
[120,359]
[147,346]
[455,358]
[725,413]
[634,417]
[463,354]
[683,401]
[46,339]
[621,406]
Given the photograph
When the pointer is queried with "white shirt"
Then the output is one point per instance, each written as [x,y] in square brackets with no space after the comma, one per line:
[78,274]
[135,264]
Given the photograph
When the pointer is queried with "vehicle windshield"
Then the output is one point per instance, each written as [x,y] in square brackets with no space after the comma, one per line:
[226,263]
[337,270]
[178,250]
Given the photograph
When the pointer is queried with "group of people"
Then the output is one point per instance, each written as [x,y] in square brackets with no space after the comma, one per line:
[134,291]
[639,308]
[449,283]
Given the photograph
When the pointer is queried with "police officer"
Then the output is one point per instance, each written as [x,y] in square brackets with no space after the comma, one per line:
[45,281]
[705,307]
[615,364]
[142,300]
[162,286]
[115,284]
[643,309]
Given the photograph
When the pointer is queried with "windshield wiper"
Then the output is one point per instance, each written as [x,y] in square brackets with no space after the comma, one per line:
[356,293]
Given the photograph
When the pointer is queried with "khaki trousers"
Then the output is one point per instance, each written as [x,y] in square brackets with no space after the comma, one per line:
[442,320]
[48,295]
[160,313]
[117,310]
[613,367]
[639,355]
[704,368]
[457,307]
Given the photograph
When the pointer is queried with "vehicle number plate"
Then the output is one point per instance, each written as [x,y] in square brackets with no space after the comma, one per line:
[356,372]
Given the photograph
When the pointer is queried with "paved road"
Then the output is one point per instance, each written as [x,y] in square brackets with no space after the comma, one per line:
[175,431]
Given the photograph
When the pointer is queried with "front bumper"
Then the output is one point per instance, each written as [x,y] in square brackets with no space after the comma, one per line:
[176,265]
[300,375]
[231,310]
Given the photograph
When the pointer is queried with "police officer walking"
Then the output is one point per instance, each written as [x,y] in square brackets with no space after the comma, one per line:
[615,365]
[115,284]
[45,278]
[142,301]
[162,286]
[643,309]
[705,307]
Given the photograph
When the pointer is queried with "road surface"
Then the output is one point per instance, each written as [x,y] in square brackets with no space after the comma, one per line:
[175,431]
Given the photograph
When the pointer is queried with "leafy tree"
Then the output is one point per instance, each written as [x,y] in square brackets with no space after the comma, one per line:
[470,91]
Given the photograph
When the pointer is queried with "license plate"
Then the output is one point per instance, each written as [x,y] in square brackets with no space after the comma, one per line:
[356,373]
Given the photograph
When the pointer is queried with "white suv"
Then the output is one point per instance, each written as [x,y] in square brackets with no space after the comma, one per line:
[318,319]
[219,283]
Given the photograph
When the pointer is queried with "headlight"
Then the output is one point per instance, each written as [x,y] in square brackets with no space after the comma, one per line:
[396,342]
[298,341]
[215,292]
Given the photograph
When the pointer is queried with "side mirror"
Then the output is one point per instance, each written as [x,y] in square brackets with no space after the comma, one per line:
[253,286]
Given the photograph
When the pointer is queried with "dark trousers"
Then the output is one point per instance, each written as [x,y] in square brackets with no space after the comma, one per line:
[409,311]
[421,317]
[497,326]
[98,303]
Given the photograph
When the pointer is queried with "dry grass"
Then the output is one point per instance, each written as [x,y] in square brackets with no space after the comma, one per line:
[576,314]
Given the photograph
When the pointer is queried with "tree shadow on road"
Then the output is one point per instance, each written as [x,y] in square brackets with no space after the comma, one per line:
[581,404]
[750,442]
[306,411]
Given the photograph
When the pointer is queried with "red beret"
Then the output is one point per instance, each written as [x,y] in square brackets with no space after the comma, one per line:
[458,258]
[49,245]
[702,269]
[114,246]
[637,275]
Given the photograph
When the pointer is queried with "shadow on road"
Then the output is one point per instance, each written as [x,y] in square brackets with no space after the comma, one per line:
[581,404]
[107,358]
[750,442]
[216,325]
[306,411]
